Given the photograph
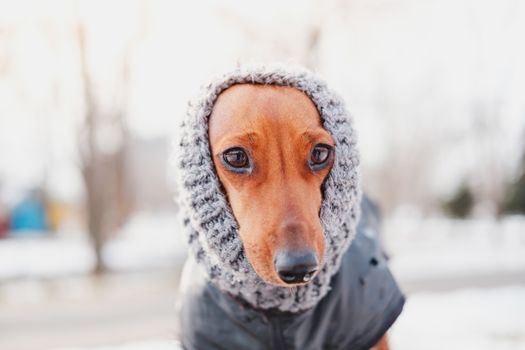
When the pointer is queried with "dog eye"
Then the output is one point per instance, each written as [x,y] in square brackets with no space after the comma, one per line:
[236,158]
[320,155]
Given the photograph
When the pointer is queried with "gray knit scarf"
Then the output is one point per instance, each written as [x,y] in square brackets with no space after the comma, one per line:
[211,228]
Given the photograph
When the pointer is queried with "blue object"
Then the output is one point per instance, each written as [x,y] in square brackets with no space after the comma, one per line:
[29,215]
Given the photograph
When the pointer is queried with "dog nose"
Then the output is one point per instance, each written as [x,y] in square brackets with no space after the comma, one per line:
[293,267]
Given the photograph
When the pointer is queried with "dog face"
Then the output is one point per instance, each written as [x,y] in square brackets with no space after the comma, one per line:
[272,155]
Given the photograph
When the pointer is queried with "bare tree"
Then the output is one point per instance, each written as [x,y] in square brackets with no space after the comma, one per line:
[102,166]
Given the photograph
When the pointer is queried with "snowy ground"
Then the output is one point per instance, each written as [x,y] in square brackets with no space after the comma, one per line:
[421,249]
[465,282]
[154,344]
[462,252]
[468,319]
[147,241]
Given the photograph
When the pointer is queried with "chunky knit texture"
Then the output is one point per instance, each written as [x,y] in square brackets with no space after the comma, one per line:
[211,228]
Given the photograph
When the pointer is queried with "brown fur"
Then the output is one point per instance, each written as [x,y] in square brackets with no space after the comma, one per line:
[382,344]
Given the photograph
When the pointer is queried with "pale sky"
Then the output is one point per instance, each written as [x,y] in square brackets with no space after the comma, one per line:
[412,73]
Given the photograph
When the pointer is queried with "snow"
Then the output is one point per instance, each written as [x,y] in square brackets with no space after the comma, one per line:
[148,240]
[466,319]
[445,248]
[150,345]
[420,248]
[36,256]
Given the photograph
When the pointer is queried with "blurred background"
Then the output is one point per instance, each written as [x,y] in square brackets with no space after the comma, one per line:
[91,93]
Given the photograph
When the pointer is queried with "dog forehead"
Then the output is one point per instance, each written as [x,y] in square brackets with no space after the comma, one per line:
[245,107]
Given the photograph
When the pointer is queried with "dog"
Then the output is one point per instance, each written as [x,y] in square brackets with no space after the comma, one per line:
[272,156]
[277,201]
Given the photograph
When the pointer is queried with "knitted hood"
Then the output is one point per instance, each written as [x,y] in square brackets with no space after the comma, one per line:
[210,226]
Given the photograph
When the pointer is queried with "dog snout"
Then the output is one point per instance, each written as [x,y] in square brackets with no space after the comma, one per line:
[296,267]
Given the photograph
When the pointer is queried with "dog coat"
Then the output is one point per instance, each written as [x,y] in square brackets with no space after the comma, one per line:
[228,279]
